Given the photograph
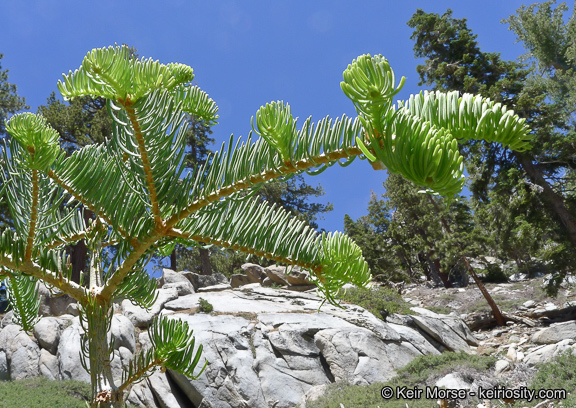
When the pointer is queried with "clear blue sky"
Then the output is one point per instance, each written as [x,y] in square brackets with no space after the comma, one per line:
[244,54]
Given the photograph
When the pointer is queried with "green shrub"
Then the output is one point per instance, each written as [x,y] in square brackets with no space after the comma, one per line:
[422,367]
[439,309]
[205,306]
[379,301]
[412,375]
[559,373]
[495,274]
[357,396]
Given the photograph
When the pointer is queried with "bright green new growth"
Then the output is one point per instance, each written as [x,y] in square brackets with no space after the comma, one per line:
[144,203]
[419,140]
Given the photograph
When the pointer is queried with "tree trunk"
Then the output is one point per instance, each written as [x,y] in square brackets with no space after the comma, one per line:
[79,252]
[495,310]
[401,253]
[442,275]
[553,200]
[205,259]
[433,271]
[173,261]
[424,265]
[97,317]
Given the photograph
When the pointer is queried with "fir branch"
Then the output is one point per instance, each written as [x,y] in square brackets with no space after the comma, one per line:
[33,216]
[52,278]
[291,168]
[145,162]
[99,212]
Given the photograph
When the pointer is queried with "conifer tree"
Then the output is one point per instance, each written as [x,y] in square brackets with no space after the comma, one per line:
[542,93]
[10,103]
[144,204]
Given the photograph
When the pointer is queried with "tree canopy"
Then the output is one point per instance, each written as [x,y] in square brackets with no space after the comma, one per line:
[10,101]
[528,195]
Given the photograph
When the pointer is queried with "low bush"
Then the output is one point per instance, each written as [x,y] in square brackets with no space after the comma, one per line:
[559,373]
[414,374]
[379,301]
[205,306]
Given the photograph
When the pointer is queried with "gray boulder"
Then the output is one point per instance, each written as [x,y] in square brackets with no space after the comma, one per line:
[312,395]
[229,380]
[171,279]
[409,335]
[4,369]
[48,365]
[555,333]
[298,277]
[361,357]
[501,366]
[141,396]
[454,381]
[22,353]
[202,281]
[53,302]
[122,357]
[276,274]
[254,272]
[545,354]
[7,319]
[443,333]
[183,288]
[141,317]
[144,340]
[69,355]
[166,393]
[123,331]
[47,331]
[240,280]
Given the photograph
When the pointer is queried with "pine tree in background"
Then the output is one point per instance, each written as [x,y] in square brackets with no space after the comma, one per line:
[10,103]
[403,239]
[534,208]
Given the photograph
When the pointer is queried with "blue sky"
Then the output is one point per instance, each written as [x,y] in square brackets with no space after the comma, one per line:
[245,54]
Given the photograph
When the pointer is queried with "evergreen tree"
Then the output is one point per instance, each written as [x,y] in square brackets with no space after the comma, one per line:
[454,61]
[134,185]
[79,122]
[10,103]
[402,236]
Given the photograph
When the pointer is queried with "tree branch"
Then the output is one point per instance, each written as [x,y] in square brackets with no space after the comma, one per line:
[33,214]
[145,162]
[57,280]
[208,240]
[263,177]
[88,205]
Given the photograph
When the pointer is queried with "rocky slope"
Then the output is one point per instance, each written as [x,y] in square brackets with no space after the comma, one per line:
[270,347]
